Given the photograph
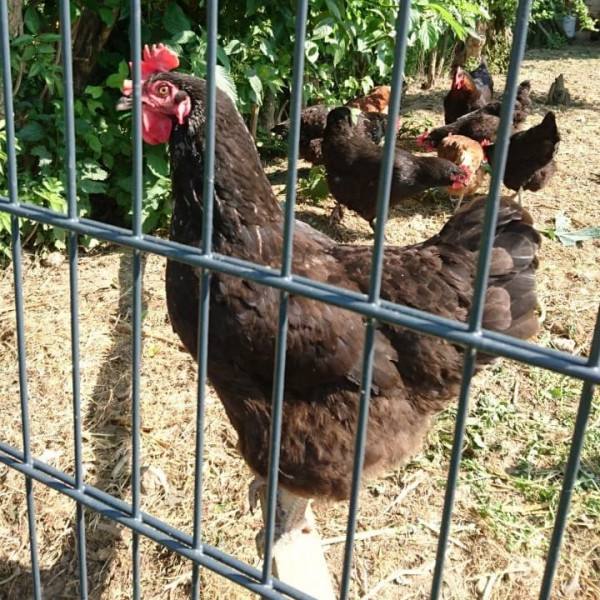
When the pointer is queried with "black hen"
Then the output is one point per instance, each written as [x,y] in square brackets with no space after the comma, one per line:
[483,79]
[530,161]
[469,91]
[481,124]
[414,377]
[313,119]
[353,165]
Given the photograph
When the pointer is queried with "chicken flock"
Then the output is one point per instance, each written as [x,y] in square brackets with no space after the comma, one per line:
[414,376]
[348,145]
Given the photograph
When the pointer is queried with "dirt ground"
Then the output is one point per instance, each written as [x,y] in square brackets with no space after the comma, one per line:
[518,437]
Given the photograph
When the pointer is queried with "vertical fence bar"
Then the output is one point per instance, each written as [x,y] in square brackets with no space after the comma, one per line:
[136,41]
[286,270]
[481,277]
[583,413]
[383,195]
[212,13]
[19,304]
[65,23]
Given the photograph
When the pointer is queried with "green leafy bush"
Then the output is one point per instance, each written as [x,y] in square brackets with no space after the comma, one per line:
[349,49]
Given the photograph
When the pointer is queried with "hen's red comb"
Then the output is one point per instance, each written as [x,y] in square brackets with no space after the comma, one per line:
[422,139]
[157,59]
[424,142]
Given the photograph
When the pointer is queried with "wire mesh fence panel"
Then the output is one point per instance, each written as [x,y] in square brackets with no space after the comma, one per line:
[123,474]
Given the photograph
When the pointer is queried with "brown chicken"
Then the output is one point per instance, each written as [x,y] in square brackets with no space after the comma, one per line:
[376,100]
[313,119]
[469,91]
[352,166]
[481,124]
[469,156]
[530,163]
[415,376]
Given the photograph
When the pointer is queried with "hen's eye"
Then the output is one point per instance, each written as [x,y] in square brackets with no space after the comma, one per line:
[163,90]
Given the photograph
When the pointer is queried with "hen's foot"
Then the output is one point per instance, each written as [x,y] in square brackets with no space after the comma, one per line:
[337,214]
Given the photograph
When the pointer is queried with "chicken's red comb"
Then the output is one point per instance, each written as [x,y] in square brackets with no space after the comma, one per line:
[157,59]
[422,139]
[485,143]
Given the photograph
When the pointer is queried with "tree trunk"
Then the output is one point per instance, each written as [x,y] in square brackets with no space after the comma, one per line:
[266,118]
[90,33]
[15,29]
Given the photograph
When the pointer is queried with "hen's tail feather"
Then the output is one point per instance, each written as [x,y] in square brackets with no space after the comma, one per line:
[510,298]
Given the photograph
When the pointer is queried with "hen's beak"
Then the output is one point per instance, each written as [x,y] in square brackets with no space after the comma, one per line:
[124,103]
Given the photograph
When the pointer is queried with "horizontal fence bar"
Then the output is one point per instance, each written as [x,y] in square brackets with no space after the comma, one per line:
[489,342]
[220,562]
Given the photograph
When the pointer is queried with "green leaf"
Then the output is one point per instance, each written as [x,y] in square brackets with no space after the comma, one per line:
[21,40]
[95,91]
[157,163]
[116,79]
[312,51]
[36,69]
[41,151]
[94,143]
[4,222]
[89,186]
[92,170]
[32,20]
[338,54]
[226,83]
[94,105]
[581,235]
[32,132]
[447,17]
[233,47]
[107,15]
[184,37]
[48,38]
[174,19]
[255,84]
[28,53]
[334,9]
[322,30]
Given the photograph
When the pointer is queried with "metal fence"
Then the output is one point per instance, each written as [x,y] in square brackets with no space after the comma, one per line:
[371,307]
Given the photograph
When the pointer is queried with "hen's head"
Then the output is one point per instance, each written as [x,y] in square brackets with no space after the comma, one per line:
[163,99]
[460,181]
[341,118]
[458,79]
[164,103]
[424,141]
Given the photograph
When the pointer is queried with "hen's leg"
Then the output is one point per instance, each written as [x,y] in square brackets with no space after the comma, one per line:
[292,516]
[517,195]
[459,202]
[298,557]
[337,214]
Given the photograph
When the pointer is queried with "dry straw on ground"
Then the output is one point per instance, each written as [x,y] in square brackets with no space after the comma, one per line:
[519,429]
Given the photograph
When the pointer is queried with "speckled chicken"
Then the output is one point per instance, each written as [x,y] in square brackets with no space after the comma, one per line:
[530,163]
[414,376]
[469,156]
[353,166]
